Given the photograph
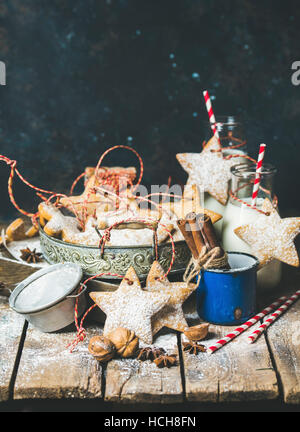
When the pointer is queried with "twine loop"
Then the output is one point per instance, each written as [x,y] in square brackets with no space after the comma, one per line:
[12,163]
[206,260]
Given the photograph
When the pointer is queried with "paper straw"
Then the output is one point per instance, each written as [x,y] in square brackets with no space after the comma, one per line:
[245,326]
[260,159]
[283,308]
[211,115]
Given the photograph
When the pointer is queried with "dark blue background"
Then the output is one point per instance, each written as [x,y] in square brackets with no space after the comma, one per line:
[83,75]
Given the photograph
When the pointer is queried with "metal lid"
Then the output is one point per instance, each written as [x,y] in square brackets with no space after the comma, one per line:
[46,288]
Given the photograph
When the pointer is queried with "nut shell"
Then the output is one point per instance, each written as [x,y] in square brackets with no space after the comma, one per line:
[197,333]
[102,348]
[125,341]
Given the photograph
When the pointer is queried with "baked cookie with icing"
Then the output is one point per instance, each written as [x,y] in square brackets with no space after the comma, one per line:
[171,315]
[130,307]
[208,170]
[17,231]
[271,237]
[118,237]
[92,198]
[55,224]
[189,203]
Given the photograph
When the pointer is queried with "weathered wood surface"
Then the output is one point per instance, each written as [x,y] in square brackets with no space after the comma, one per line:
[12,272]
[11,328]
[284,341]
[134,381]
[48,370]
[237,372]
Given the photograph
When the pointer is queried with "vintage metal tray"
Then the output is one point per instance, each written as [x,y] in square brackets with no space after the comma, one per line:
[115,259]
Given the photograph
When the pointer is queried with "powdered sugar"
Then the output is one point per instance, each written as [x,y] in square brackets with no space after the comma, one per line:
[172,315]
[209,170]
[271,237]
[130,307]
[46,289]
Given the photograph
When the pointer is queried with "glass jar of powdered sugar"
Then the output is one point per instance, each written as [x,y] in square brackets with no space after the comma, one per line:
[231,133]
[237,213]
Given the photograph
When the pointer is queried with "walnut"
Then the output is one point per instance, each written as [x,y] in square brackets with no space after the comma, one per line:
[102,349]
[197,333]
[125,341]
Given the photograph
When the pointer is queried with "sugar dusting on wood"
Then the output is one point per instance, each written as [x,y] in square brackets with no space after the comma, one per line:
[238,371]
[136,381]
[11,326]
[284,339]
[48,369]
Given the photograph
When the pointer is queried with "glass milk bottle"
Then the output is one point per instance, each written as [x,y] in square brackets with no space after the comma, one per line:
[233,140]
[238,213]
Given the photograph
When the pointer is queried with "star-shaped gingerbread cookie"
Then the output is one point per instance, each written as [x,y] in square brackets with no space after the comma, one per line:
[171,315]
[208,170]
[271,237]
[92,198]
[189,203]
[130,307]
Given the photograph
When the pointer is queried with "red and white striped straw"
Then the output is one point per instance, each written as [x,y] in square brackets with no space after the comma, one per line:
[211,115]
[260,160]
[283,308]
[245,326]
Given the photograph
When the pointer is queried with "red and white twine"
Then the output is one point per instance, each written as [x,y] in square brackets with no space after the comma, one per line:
[81,332]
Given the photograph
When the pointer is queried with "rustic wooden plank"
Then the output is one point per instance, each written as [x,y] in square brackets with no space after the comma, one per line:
[11,326]
[284,340]
[48,371]
[133,381]
[237,372]
[13,272]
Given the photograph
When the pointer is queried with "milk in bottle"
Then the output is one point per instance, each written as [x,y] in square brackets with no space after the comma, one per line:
[238,213]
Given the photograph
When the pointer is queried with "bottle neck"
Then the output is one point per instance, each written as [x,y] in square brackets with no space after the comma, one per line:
[242,182]
[231,132]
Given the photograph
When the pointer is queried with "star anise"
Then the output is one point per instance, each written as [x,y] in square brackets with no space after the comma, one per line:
[150,353]
[31,256]
[193,347]
[166,361]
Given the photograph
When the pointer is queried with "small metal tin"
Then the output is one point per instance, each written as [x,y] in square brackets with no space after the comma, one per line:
[116,259]
[47,298]
[228,297]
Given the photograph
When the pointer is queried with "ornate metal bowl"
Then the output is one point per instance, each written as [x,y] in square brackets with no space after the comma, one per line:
[116,259]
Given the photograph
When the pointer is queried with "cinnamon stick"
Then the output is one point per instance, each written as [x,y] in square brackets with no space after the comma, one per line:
[208,231]
[199,241]
[209,235]
[188,236]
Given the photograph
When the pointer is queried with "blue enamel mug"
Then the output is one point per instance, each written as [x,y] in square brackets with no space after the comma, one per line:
[228,297]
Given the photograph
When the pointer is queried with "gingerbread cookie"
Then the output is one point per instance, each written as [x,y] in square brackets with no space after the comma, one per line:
[92,198]
[16,231]
[271,237]
[171,315]
[123,237]
[189,203]
[55,223]
[130,307]
[209,170]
